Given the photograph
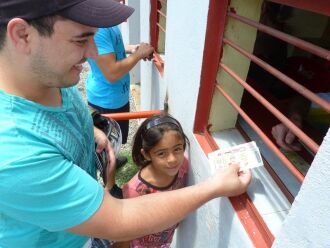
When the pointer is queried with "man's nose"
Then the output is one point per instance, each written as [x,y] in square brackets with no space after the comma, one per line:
[91,51]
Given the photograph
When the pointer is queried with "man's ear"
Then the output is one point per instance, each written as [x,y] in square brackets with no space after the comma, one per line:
[145,155]
[19,33]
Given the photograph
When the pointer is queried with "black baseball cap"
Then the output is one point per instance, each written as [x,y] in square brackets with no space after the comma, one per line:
[94,13]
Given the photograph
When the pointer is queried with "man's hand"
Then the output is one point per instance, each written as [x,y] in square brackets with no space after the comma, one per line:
[231,181]
[103,144]
[144,51]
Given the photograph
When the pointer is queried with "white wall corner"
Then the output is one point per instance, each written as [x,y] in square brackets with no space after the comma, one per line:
[308,222]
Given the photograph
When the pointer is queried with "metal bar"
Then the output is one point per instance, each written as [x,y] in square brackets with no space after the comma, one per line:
[245,208]
[132,115]
[297,131]
[319,6]
[163,29]
[162,1]
[159,63]
[296,173]
[153,21]
[216,21]
[247,213]
[206,146]
[269,168]
[307,46]
[161,13]
[281,76]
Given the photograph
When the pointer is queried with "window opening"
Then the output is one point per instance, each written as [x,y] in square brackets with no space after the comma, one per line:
[290,68]
[288,82]
[158,30]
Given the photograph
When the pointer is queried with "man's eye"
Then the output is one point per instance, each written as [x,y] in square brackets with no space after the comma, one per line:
[81,42]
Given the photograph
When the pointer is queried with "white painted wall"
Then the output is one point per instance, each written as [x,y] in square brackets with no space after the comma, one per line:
[308,222]
[152,84]
[185,36]
[131,35]
[215,224]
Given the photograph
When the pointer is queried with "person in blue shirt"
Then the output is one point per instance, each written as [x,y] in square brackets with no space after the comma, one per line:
[108,83]
[49,196]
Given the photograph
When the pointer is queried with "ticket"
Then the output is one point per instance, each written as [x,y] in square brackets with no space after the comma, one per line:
[247,155]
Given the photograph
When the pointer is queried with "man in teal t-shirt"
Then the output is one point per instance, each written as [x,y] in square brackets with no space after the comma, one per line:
[48,193]
[47,168]
[39,145]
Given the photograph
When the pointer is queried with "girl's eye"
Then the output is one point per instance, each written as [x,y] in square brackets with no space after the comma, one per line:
[178,149]
[161,154]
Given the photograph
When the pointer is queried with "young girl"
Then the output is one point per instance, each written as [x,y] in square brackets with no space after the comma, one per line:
[158,149]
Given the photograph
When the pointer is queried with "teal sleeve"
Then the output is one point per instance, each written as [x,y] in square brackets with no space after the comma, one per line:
[104,41]
[48,191]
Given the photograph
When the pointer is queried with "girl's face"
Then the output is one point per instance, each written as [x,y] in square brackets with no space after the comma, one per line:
[168,155]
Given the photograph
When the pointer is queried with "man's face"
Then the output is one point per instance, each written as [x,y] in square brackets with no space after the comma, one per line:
[56,61]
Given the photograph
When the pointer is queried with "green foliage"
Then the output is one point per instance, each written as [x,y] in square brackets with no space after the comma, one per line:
[125,173]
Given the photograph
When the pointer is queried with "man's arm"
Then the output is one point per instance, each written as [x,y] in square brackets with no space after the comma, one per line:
[131,218]
[114,70]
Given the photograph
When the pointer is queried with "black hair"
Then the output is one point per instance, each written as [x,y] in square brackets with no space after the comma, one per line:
[150,132]
[44,25]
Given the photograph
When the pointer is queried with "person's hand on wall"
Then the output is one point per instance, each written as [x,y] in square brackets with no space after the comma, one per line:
[129,49]
[144,51]
[231,181]
[284,136]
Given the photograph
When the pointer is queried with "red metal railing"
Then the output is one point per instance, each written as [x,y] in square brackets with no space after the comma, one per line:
[133,115]
[161,13]
[284,78]
[262,135]
[155,28]
[304,45]
[321,52]
[296,130]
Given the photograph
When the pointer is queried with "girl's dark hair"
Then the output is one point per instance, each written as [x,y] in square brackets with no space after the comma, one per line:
[150,132]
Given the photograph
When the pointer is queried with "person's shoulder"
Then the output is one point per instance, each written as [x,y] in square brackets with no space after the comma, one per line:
[103,33]
[108,30]
[115,28]
[102,30]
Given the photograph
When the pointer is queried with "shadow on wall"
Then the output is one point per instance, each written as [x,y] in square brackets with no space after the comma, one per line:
[155,90]
[225,225]
[187,230]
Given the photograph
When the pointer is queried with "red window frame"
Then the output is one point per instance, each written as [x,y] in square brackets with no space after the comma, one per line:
[155,28]
[252,221]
